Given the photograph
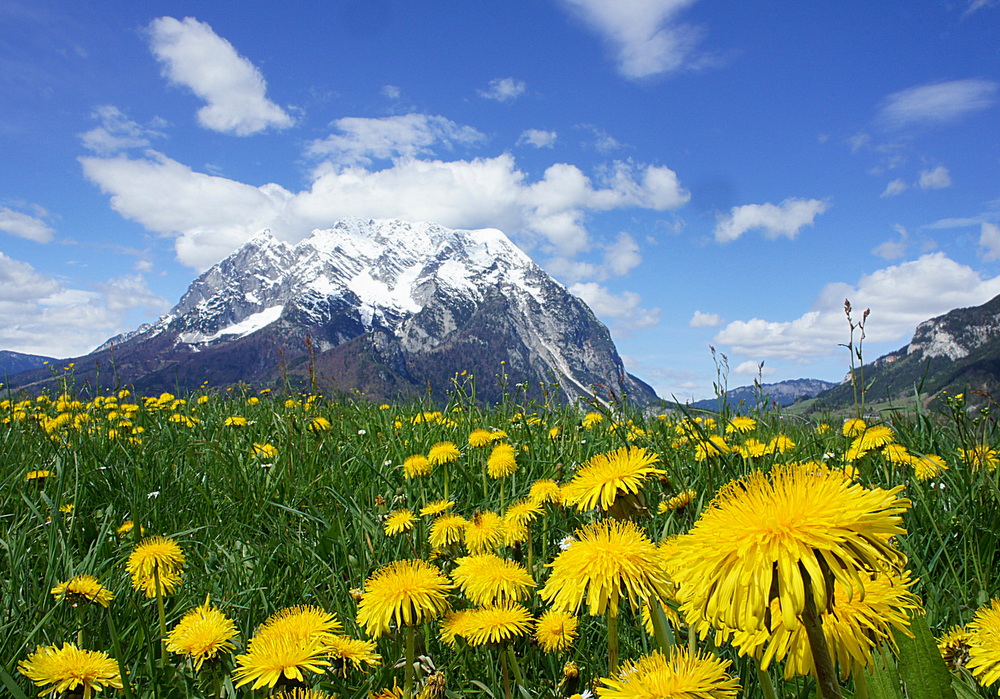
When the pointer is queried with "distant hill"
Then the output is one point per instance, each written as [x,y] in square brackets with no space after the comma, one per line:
[958,352]
[15,362]
[783,393]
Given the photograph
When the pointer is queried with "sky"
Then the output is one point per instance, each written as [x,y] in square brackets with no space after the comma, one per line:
[714,178]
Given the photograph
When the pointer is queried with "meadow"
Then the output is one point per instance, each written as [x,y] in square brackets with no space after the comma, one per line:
[255,513]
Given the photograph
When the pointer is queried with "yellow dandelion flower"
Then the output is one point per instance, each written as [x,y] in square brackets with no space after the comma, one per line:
[127,527]
[711,447]
[300,622]
[448,529]
[435,508]
[202,634]
[854,427]
[556,630]
[169,581]
[980,457]
[496,623]
[454,625]
[480,438]
[752,449]
[484,533]
[486,578]
[156,552]
[83,588]
[443,453]
[771,534]
[545,490]
[38,476]
[607,561]
[896,454]
[415,466]
[678,675]
[677,502]
[353,650]
[984,644]
[875,437]
[70,669]
[523,511]
[275,658]
[319,424]
[592,420]
[299,693]
[235,421]
[927,466]
[605,477]
[780,444]
[822,428]
[741,424]
[502,461]
[404,593]
[954,647]
[265,451]
[399,521]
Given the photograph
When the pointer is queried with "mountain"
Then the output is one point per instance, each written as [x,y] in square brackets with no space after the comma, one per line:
[15,362]
[385,307]
[783,393]
[958,352]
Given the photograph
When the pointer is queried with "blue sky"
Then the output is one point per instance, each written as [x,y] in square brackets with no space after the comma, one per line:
[704,174]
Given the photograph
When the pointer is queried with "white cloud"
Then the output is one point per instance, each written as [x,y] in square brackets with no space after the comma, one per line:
[936,103]
[211,216]
[391,91]
[784,219]
[705,320]
[752,368]
[894,249]
[504,89]
[938,178]
[537,138]
[622,256]
[116,133]
[989,242]
[195,56]
[40,315]
[623,309]
[900,297]
[895,187]
[25,226]
[975,5]
[409,135]
[644,34]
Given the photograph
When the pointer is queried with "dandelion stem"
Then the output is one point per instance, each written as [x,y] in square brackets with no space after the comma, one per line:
[612,640]
[411,645]
[826,676]
[162,614]
[766,686]
[506,675]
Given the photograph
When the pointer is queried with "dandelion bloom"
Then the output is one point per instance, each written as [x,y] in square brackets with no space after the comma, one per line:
[399,521]
[607,561]
[679,675]
[83,588]
[319,424]
[752,449]
[980,457]
[984,644]
[954,647]
[37,476]
[741,424]
[405,593]
[443,453]
[448,529]
[496,623]
[853,427]
[353,650]
[485,532]
[455,624]
[875,437]
[591,420]
[523,511]
[301,621]
[555,630]
[275,658]
[69,669]
[502,462]
[236,421]
[677,502]
[710,447]
[415,466]
[265,451]
[604,477]
[480,438]
[545,490]
[152,557]
[202,634]
[435,508]
[767,535]
[486,578]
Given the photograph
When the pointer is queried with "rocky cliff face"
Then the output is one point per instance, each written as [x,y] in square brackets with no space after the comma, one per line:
[385,307]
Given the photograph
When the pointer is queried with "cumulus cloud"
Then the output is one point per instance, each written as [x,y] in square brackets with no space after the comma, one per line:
[41,315]
[989,242]
[25,226]
[645,35]
[624,310]
[894,188]
[116,132]
[936,103]
[504,89]
[210,216]
[894,249]
[537,138]
[900,297]
[361,139]
[785,219]
[391,91]
[705,320]
[194,56]
[752,368]
[938,178]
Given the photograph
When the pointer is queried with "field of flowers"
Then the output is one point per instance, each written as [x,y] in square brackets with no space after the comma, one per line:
[249,544]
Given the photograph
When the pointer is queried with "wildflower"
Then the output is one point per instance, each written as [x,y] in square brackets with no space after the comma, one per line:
[523,512]
[480,438]
[927,466]
[319,424]
[484,533]
[954,647]
[353,650]
[984,644]
[711,447]
[496,623]
[609,560]
[486,578]
[202,634]
[980,457]
[680,674]
[677,502]
[265,451]
[545,490]
[591,420]
[69,668]
[741,424]
[875,437]
[83,588]
[768,535]
[455,624]
[605,477]
[448,529]
[501,462]
[435,508]
[155,557]
[443,453]
[752,449]
[406,593]
[235,421]
[399,521]
[275,658]
[555,630]
[416,465]
[853,427]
